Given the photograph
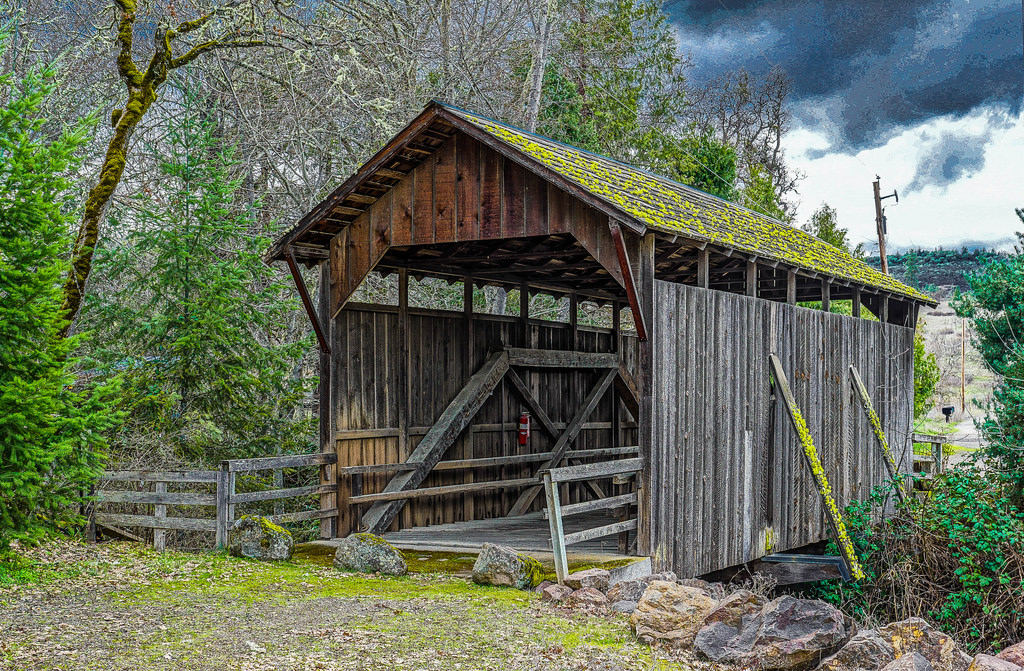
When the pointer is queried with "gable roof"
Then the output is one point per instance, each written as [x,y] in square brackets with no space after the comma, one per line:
[643,200]
[662,204]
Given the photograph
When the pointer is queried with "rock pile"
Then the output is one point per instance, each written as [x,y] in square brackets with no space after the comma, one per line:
[744,629]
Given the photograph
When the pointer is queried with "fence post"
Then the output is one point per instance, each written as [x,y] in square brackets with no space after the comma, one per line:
[555,522]
[160,513]
[223,507]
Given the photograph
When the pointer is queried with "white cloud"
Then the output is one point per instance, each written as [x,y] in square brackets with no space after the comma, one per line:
[976,206]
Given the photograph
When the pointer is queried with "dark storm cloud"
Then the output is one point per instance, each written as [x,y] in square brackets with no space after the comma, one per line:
[863,70]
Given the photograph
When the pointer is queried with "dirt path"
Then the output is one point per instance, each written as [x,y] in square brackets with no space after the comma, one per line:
[123,607]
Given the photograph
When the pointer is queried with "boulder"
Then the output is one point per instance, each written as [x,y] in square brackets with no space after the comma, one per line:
[587,596]
[916,635]
[366,553]
[501,565]
[597,578]
[555,593]
[257,537]
[789,633]
[913,661]
[734,608]
[667,576]
[866,651]
[715,589]
[624,606]
[627,590]
[1015,654]
[670,613]
[539,589]
[990,663]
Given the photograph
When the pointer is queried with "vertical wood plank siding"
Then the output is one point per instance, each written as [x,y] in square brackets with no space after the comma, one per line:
[711,387]
[367,375]
[465,191]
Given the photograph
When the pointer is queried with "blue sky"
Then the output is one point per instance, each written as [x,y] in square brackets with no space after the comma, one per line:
[925,93]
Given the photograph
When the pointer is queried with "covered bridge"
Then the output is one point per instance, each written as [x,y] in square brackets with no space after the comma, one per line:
[422,406]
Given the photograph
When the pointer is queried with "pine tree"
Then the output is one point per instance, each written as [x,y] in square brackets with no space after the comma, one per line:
[193,317]
[51,428]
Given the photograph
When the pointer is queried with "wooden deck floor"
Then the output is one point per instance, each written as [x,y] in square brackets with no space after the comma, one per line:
[527,533]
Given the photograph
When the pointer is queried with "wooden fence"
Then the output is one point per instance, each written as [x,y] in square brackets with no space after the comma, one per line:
[219,492]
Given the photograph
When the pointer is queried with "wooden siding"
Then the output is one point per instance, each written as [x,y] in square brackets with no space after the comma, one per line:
[710,473]
[464,192]
[367,393]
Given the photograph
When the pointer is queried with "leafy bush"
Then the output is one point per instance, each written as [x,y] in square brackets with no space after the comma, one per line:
[957,558]
[926,375]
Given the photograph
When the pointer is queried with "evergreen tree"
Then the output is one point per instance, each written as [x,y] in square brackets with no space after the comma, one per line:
[707,164]
[51,429]
[824,224]
[996,308]
[761,195]
[193,317]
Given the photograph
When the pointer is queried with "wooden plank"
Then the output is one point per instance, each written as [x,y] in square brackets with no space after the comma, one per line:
[703,267]
[302,516]
[522,504]
[157,497]
[467,155]
[513,197]
[443,490]
[222,525]
[275,494]
[791,286]
[611,502]
[541,415]
[550,358]
[160,513]
[557,542]
[751,279]
[432,447]
[602,469]
[629,393]
[444,192]
[158,476]
[153,522]
[861,392]
[607,530]
[490,195]
[287,461]
[629,283]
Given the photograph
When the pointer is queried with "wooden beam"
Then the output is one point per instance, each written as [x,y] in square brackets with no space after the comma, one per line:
[625,386]
[597,532]
[791,286]
[883,308]
[520,388]
[826,295]
[524,312]
[552,358]
[855,298]
[596,471]
[601,504]
[300,284]
[876,428]
[442,434]
[703,267]
[627,278]
[647,531]
[751,279]
[405,495]
[522,504]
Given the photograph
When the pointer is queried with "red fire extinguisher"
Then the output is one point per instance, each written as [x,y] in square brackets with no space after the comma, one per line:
[524,428]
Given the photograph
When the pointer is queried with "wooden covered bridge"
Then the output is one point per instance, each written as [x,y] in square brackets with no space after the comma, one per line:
[668,439]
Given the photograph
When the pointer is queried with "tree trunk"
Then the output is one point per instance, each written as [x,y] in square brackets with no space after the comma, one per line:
[539,66]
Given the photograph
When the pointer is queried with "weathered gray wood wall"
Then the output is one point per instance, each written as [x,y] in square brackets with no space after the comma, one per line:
[367,392]
[715,488]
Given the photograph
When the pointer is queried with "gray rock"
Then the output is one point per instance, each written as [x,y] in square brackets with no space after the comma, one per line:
[595,577]
[789,633]
[501,565]
[539,589]
[1015,654]
[624,606]
[671,614]
[715,589]
[257,537]
[916,635]
[555,593]
[366,553]
[734,608]
[990,663]
[667,576]
[866,651]
[627,590]
[587,596]
[912,661]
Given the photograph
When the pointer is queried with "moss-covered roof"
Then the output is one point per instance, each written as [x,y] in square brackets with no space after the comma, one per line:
[671,207]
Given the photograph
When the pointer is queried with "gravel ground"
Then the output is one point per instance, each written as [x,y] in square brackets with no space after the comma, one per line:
[122,606]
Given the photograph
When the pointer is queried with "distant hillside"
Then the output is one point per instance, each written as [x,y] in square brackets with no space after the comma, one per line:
[923,268]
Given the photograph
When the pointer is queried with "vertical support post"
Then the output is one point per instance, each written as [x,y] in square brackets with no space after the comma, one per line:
[160,513]
[524,312]
[574,309]
[403,364]
[469,365]
[791,286]
[883,308]
[223,526]
[555,524]
[826,295]
[751,277]
[647,533]
[703,272]
[856,302]
[328,472]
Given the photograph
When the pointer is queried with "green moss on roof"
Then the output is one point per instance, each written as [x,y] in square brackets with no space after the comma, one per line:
[670,207]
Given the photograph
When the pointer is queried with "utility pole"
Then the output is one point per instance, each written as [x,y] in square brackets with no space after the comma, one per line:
[880,225]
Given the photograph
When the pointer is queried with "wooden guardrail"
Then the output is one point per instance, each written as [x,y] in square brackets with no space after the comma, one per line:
[221,494]
[555,511]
